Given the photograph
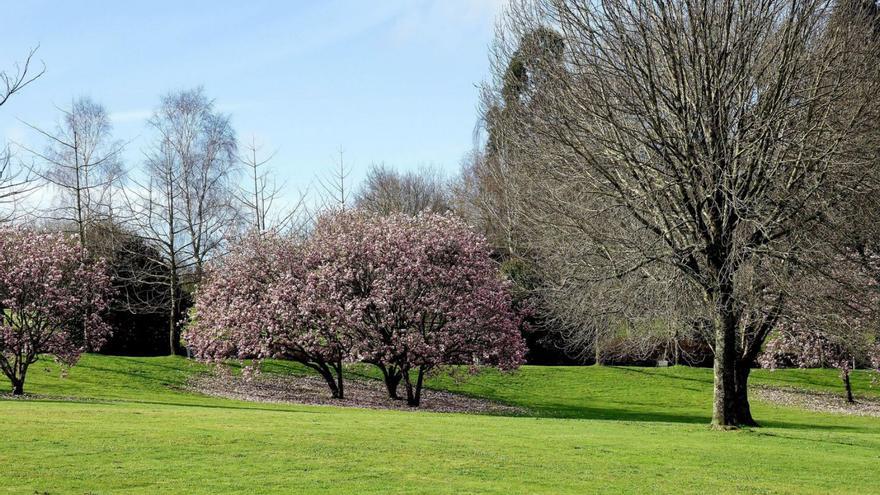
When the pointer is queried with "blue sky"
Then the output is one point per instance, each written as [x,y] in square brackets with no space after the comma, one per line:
[391,81]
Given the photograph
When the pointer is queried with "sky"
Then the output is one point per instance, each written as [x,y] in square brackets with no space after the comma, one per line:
[393,81]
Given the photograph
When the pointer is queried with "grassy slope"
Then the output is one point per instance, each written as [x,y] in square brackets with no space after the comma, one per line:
[606,430]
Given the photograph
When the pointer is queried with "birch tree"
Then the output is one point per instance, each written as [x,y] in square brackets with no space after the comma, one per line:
[184,207]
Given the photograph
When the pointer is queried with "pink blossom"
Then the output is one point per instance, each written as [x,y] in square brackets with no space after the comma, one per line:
[415,293]
[407,294]
[51,301]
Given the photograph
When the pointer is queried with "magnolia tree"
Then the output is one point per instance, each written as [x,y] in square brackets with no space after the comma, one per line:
[833,317]
[811,349]
[416,293]
[408,294]
[50,302]
[257,302]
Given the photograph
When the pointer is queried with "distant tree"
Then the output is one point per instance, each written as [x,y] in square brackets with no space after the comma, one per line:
[261,195]
[487,194]
[386,191]
[264,300]
[423,292]
[47,291]
[812,349]
[203,145]
[84,164]
[335,187]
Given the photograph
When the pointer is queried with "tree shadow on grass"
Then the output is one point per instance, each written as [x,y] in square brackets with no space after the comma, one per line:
[548,412]
[644,412]
[285,408]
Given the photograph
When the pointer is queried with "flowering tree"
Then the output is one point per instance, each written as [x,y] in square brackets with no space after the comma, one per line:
[811,349]
[832,317]
[415,293]
[50,302]
[255,304]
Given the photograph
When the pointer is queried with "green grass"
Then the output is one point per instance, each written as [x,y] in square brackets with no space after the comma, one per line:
[132,429]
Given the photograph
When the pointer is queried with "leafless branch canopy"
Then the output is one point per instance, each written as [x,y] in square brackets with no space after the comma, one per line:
[21,75]
[708,137]
[386,191]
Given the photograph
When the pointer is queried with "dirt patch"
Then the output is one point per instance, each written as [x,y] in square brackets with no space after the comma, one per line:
[358,393]
[818,401]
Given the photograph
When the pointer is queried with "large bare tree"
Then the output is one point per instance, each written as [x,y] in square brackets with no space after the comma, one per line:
[707,137]
[185,206]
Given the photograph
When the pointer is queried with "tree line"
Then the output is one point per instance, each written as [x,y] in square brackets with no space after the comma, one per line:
[692,182]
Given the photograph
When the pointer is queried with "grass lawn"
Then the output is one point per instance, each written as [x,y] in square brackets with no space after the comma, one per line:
[126,427]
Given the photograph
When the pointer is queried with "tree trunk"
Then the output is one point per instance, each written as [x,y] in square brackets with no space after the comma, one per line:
[724,370]
[173,335]
[414,393]
[328,376]
[19,373]
[743,408]
[392,378]
[173,279]
[848,385]
[340,384]
[676,349]
[174,312]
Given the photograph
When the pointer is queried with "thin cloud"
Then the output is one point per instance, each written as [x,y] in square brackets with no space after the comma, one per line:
[436,20]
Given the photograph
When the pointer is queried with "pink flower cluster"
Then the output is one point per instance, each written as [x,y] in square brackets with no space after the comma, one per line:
[803,349]
[404,293]
[254,304]
[50,299]
[414,291]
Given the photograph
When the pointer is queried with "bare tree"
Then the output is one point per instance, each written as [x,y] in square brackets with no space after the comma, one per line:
[261,196]
[21,75]
[185,206]
[15,181]
[204,144]
[386,191]
[485,193]
[335,191]
[83,163]
[154,214]
[706,137]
